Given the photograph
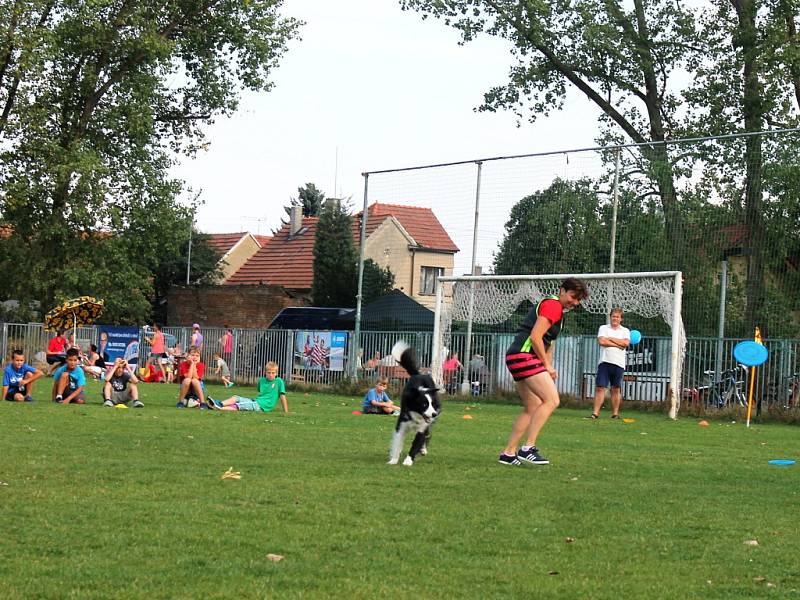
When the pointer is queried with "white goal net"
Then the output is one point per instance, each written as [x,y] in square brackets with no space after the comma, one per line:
[492,299]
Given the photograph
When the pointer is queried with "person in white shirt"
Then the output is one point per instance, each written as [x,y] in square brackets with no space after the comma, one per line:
[613,340]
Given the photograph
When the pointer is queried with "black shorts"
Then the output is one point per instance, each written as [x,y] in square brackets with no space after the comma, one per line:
[54,359]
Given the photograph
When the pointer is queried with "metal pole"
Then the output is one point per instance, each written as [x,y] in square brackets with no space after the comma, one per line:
[677,346]
[612,260]
[465,384]
[189,255]
[354,347]
[723,290]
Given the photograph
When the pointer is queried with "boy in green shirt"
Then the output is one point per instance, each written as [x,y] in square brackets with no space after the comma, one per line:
[270,389]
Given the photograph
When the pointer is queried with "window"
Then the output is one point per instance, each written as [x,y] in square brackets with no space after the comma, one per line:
[428,275]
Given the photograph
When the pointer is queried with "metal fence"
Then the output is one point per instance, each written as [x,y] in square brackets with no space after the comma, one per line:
[484,373]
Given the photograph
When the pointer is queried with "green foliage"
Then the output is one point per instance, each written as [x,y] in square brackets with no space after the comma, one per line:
[335,259]
[96,98]
[377,281]
[557,230]
[310,198]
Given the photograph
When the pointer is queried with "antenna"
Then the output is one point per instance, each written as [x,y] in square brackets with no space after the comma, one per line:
[336,174]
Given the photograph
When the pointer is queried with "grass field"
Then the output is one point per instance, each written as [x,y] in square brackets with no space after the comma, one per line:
[104,503]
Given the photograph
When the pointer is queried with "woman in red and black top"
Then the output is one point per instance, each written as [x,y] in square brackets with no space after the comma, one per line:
[529,359]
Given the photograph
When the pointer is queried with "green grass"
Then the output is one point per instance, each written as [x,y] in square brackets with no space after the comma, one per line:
[106,503]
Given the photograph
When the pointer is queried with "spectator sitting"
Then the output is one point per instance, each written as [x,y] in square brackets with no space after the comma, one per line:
[377,401]
[121,386]
[271,388]
[190,375]
[93,363]
[478,374]
[69,379]
[222,370]
[373,362]
[18,378]
[56,351]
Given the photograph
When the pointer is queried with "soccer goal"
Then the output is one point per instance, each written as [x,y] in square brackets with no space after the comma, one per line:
[492,299]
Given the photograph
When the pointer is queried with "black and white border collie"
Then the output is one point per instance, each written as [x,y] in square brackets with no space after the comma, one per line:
[419,407]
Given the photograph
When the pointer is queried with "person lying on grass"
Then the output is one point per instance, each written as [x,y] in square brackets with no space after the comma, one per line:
[18,378]
[270,389]
[69,379]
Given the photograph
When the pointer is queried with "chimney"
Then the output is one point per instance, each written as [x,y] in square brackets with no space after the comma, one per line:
[295,219]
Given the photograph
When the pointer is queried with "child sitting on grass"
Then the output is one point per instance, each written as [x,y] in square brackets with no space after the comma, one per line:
[222,370]
[270,389]
[377,401]
[121,386]
[18,378]
[190,375]
[69,379]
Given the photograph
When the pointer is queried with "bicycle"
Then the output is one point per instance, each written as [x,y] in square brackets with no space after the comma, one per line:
[728,390]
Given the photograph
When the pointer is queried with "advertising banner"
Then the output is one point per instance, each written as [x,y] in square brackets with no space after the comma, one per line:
[116,342]
[320,350]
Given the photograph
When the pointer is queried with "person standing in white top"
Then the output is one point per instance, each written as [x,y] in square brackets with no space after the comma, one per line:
[613,340]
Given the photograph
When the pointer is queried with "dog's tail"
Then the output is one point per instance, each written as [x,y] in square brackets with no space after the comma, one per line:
[405,355]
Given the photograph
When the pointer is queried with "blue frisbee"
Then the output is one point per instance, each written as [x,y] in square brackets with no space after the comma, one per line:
[781,461]
[750,354]
[636,336]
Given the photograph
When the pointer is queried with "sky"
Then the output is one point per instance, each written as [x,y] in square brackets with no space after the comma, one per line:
[368,87]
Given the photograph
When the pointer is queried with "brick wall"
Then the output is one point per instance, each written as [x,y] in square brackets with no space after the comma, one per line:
[247,306]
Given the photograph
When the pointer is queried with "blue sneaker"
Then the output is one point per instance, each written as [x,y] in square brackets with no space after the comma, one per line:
[505,459]
[180,405]
[532,456]
[28,398]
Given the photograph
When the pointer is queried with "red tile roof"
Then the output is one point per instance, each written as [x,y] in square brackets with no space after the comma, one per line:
[223,242]
[289,260]
[420,223]
[286,260]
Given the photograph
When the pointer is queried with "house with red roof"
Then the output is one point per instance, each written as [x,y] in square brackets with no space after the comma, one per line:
[409,240]
[235,249]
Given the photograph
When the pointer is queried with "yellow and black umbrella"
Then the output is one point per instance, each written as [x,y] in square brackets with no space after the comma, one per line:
[74,313]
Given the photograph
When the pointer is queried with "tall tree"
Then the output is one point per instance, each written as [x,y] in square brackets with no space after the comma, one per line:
[335,258]
[620,56]
[97,97]
[557,230]
[746,81]
[310,198]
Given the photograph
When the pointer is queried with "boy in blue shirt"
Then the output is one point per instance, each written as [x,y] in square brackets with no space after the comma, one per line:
[69,379]
[377,401]
[18,378]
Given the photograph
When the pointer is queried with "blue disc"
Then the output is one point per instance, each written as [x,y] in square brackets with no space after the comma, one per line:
[781,461]
[636,336]
[750,354]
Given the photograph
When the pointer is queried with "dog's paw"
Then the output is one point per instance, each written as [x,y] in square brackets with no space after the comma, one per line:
[392,461]
[408,461]
[423,451]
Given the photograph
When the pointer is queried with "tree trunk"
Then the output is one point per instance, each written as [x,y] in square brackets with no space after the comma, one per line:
[746,41]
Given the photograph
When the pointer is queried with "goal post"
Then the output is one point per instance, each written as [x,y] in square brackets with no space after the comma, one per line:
[492,299]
